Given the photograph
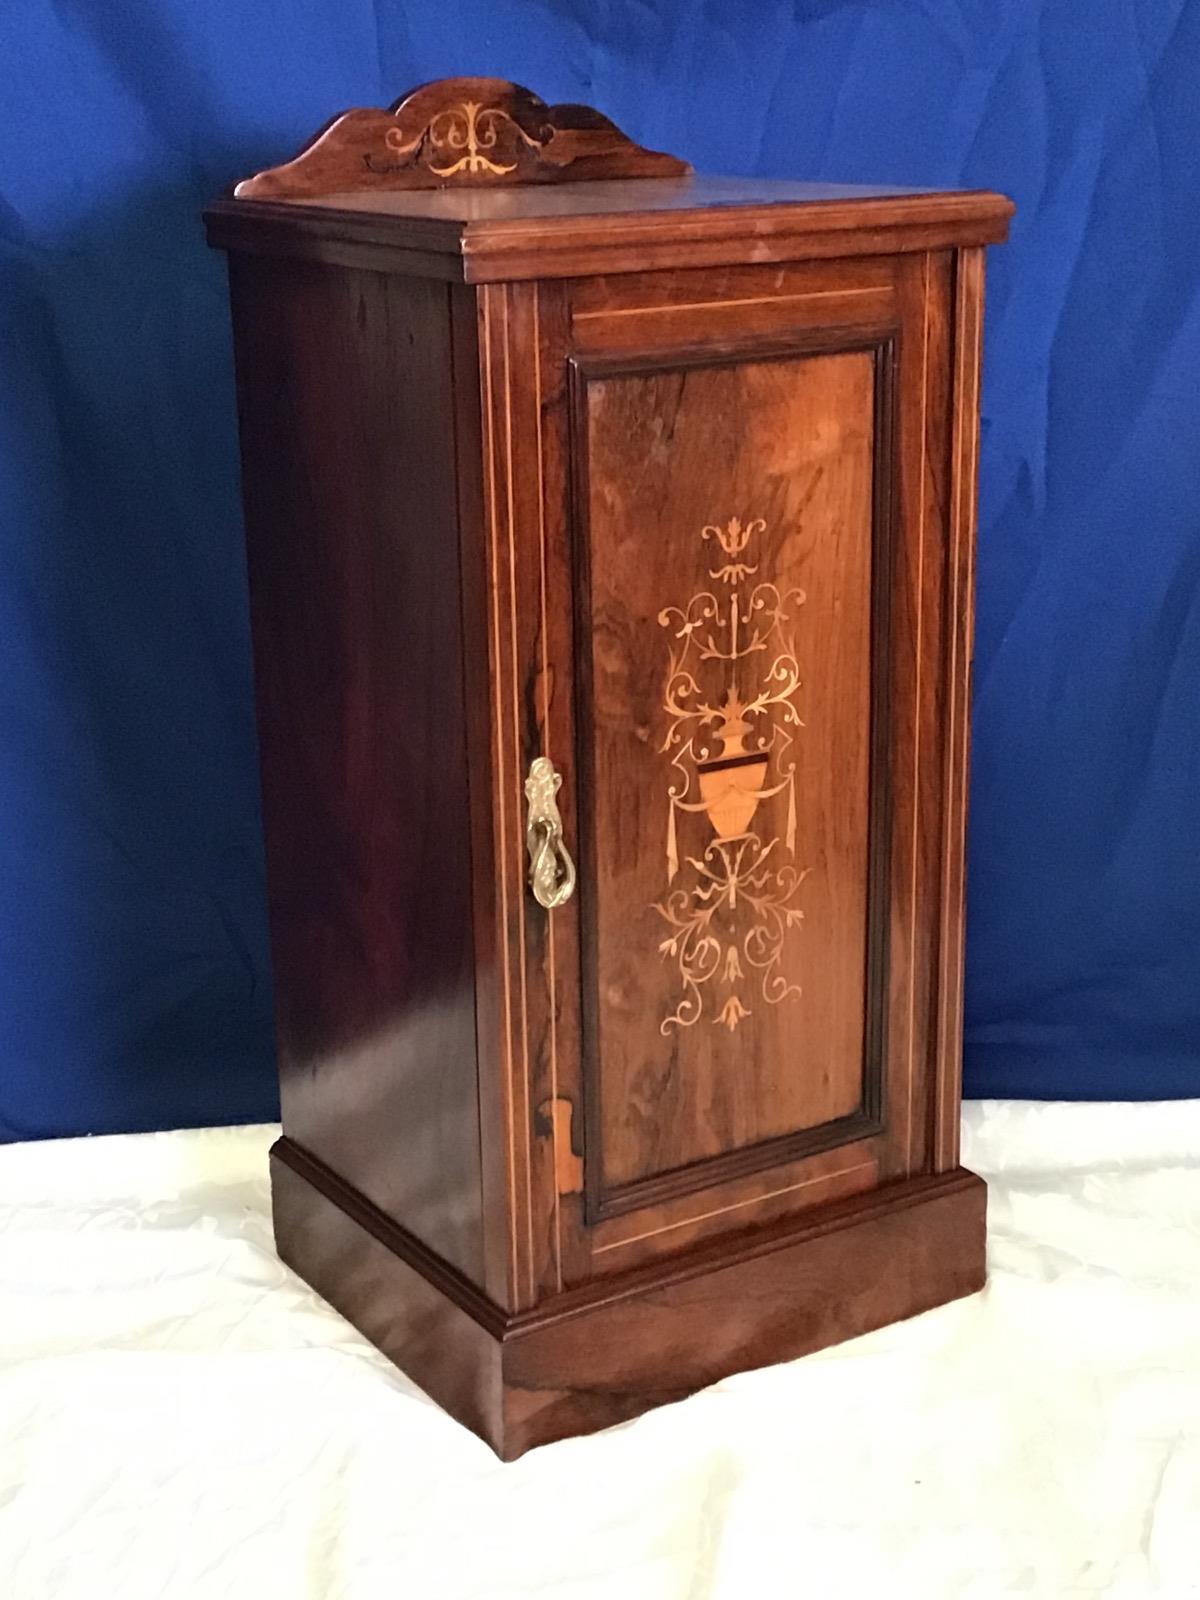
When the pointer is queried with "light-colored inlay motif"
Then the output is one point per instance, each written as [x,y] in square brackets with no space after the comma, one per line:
[729,698]
[472,129]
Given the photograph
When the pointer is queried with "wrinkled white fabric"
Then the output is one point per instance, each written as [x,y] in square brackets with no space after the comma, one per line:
[181,1417]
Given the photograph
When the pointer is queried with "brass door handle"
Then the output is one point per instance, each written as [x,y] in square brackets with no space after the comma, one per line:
[551,870]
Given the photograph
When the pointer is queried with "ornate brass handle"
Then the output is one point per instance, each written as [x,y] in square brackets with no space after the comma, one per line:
[551,870]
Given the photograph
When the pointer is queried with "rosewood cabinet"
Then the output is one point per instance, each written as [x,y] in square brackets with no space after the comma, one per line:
[610,541]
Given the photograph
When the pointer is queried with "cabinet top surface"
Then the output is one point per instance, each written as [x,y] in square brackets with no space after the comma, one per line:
[617,198]
[562,230]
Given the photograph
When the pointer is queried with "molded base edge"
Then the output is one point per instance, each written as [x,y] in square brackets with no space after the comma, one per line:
[601,1354]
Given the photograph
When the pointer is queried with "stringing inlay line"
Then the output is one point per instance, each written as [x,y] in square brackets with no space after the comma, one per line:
[546,750]
[754,1200]
[502,784]
[917,718]
[750,300]
[526,1120]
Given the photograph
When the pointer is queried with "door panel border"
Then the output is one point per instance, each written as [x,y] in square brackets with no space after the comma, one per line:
[601,1202]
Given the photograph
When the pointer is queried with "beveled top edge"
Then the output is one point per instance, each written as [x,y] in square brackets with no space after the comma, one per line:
[548,231]
[453,217]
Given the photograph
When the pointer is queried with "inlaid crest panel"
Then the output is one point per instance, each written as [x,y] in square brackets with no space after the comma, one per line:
[459,133]
[727,614]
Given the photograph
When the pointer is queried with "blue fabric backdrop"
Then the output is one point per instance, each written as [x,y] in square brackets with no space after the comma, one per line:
[134,980]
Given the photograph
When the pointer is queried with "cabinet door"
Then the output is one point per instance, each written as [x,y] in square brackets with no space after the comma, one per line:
[730,492]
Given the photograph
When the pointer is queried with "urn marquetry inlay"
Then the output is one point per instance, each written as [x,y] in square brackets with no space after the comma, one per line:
[730,699]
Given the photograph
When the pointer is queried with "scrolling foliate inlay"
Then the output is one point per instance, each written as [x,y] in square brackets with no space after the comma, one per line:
[468,127]
[729,698]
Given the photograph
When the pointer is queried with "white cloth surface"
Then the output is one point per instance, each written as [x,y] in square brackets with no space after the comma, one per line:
[181,1417]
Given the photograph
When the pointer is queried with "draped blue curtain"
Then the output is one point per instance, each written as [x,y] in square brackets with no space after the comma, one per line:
[134,977]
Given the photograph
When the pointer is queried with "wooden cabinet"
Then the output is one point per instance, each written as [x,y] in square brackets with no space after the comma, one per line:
[610,540]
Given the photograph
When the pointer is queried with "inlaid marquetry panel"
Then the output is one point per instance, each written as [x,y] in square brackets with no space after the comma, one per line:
[728,605]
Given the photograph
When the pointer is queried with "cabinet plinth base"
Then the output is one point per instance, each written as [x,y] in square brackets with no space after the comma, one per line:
[600,1355]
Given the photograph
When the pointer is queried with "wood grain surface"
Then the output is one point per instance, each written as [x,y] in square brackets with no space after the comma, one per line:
[352,515]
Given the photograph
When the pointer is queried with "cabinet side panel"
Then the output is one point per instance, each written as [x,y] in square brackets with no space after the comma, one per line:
[347,420]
